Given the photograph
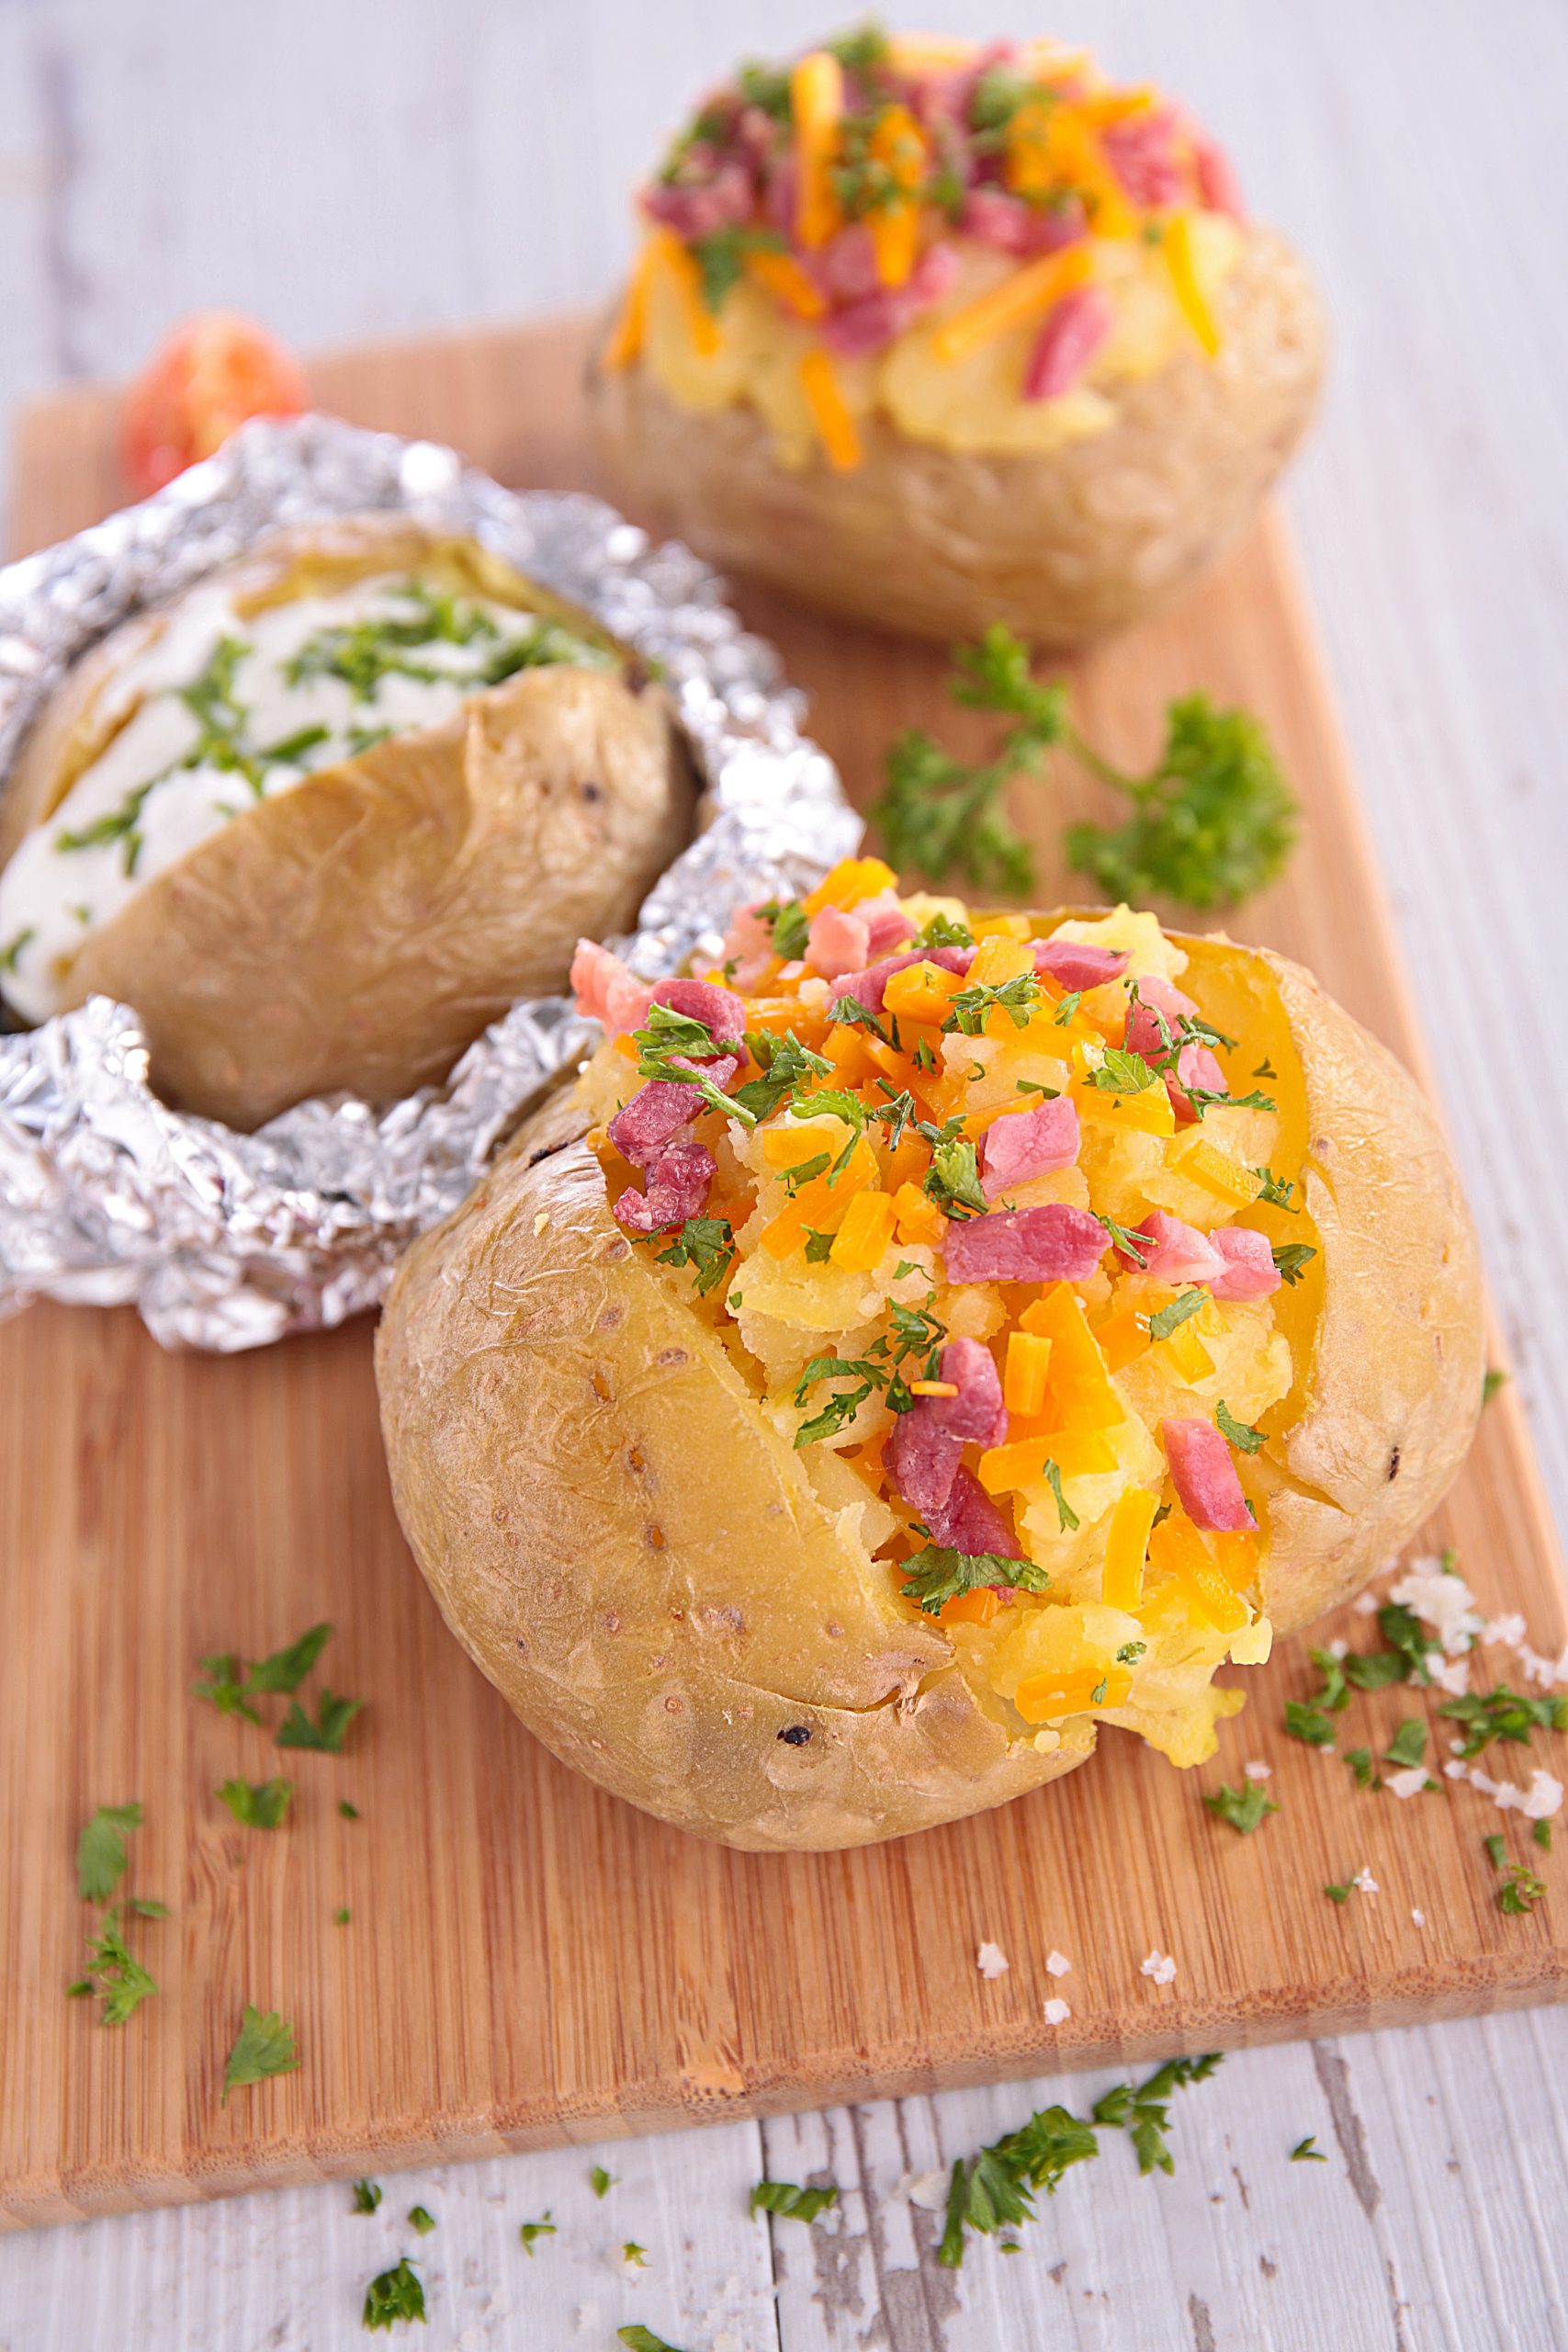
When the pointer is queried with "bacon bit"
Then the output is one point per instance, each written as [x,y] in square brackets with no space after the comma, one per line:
[1054,1243]
[748,946]
[1217,183]
[1141,150]
[1071,335]
[969,1520]
[887,926]
[655,1113]
[923,1456]
[871,323]
[1176,1252]
[1021,1145]
[838,942]
[1143,1033]
[845,269]
[721,1011]
[976,1411]
[678,1185]
[699,210]
[1011,226]
[1250,1271]
[607,991]
[1203,1471]
[1010,303]
[1195,1067]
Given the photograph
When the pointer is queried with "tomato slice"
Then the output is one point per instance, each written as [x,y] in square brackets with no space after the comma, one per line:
[213,373]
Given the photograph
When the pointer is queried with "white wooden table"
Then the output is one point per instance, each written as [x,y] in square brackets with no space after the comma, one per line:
[347,168]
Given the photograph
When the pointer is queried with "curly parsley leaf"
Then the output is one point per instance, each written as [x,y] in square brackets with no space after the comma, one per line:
[1212,822]
[1309,1723]
[637,2338]
[530,2233]
[286,1669]
[366,2195]
[1119,1072]
[1523,1891]
[936,1574]
[721,258]
[785,1064]
[393,2295]
[259,1804]
[952,1180]
[1306,2151]
[1245,1808]
[795,2204]
[114,1972]
[420,2220]
[219,1682]
[1291,1258]
[100,1850]
[967,1010]
[333,1716]
[599,2181]
[1241,1434]
[1144,2111]
[1408,1746]
[707,1244]
[1502,1713]
[264,2047]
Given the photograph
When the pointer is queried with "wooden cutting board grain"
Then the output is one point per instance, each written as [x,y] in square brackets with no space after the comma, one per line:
[526,1961]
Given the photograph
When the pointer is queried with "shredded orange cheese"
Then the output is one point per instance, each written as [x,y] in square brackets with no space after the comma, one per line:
[829,411]
[1030,290]
[816,101]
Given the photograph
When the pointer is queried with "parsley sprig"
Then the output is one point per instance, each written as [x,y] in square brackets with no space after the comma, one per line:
[936,1574]
[1211,822]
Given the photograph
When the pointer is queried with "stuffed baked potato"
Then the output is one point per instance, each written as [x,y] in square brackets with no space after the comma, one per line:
[327,815]
[921,1342]
[935,335]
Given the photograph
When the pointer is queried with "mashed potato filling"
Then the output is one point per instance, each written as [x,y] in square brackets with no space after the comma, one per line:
[1005,1231]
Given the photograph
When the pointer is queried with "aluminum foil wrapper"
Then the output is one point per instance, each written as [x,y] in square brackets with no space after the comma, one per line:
[228,1241]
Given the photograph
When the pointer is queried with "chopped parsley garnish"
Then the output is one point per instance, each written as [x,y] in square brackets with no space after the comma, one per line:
[936,1574]
[530,2233]
[1123,1073]
[1241,1434]
[393,2295]
[943,932]
[666,1033]
[259,1804]
[349,1811]
[114,1972]
[100,1850]
[1308,1723]
[420,2220]
[1340,1890]
[968,1010]
[264,2047]
[10,954]
[1496,1851]
[219,1679]
[1359,1759]
[1291,1258]
[635,2256]
[1541,1833]
[819,1247]
[1189,1303]
[1245,1808]
[366,2195]
[1490,1385]
[790,924]
[1523,1891]
[599,2181]
[341,1915]
[1502,1713]
[637,2338]
[1279,1191]
[952,1180]
[707,1244]
[1308,2151]
[721,258]
[1130,1653]
[1408,1746]
[1375,1669]
[333,1716]
[1066,1517]
[794,2204]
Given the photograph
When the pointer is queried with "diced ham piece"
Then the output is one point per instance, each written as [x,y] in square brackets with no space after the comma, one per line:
[969,1520]
[923,1456]
[676,1188]
[871,324]
[1024,1144]
[886,924]
[1249,1268]
[1204,1475]
[976,1414]
[1195,1067]
[697,211]
[1005,223]
[1076,964]
[1141,150]
[1050,1244]
[837,944]
[658,1111]
[845,267]
[607,991]
[1176,1252]
[1074,330]
[1142,1034]
[748,945]
[719,1009]
[1217,183]
[869,985]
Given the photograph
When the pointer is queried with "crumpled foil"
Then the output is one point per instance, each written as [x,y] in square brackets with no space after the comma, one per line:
[227,1241]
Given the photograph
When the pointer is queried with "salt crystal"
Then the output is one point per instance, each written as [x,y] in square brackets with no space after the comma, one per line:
[1258,1771]
[1408,1783]
[1058,1965]
[1338,1648]
[1057,2012]
[1366,1604]
[1444,1603]
[1363,1882]
[991,1961]
[929,2192]
[1420,1917]
[1509,1629]
[1159,1965]
[1452,1675]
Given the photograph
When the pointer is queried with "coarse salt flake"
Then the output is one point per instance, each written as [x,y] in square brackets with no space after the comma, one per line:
[929,2190]
[1420,1917]
[991,1961]
[1363,1882]
[1256,1771]
[1058,1965]
[1509,1629]
[1366,1604]
[1056,2011]
[1338,1648]
[1158,1965]
[1442,1600]
[1408,1783]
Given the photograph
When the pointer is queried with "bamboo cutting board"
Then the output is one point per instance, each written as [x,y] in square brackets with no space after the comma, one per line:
[526,1961]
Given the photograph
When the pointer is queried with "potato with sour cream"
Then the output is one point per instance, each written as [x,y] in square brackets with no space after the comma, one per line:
[326,816]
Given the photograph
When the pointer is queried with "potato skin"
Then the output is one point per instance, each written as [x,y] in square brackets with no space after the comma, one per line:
[361,931]
[636,1559]
[1063,548]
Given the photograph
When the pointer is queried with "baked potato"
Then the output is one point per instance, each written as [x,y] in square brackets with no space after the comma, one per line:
[327,815]
[906,1350]
[934,336]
